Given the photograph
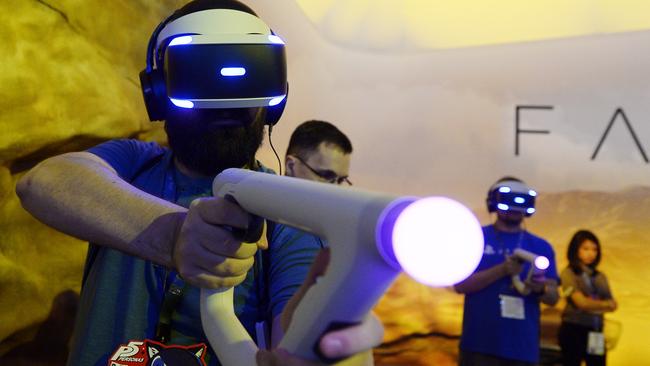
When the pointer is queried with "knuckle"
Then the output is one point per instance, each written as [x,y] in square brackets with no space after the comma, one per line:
[227,267]
[237,266]
[231,245]
[234,281]
[246,250]
[185,273]
[197,202]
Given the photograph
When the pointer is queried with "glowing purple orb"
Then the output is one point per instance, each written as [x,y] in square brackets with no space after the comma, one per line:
[437,241]
[542,262]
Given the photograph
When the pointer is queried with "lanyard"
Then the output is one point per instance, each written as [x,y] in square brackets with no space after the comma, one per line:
[502,247]
[173,286]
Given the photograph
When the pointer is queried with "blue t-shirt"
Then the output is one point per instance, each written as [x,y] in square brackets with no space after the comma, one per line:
[484,329]
[122,295]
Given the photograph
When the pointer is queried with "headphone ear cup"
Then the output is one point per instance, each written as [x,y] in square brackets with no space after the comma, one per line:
[154,92]
[489,201]
[274,113]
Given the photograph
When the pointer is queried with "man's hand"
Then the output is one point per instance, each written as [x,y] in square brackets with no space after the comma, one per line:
[349,341]
[340,343]
[512,266]
[205,252]
[536,286]
[547,289]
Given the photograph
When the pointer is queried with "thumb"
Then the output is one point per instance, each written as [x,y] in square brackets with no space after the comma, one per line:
[352,340]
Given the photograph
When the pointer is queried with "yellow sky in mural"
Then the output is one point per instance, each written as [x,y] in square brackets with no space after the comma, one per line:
[388,24]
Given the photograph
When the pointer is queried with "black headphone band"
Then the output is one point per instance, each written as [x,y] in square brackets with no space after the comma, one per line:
[152,41]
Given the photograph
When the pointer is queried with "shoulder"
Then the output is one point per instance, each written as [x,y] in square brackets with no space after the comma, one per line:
[120,151]
[488,230]
[127,155]
[600,276]
[284,237]
[538,243]
[567,272]
[263,168]
[127,144]
[568,277]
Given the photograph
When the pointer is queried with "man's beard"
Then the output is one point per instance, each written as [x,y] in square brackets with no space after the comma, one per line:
[512,221]
[207,147]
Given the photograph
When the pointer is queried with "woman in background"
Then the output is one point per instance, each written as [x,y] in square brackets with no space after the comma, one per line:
[588,297]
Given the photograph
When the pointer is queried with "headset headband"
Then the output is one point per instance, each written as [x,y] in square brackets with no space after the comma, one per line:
[213,21]
[514,186]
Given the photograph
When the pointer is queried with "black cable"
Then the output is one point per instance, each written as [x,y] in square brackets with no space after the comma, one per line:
[273,148]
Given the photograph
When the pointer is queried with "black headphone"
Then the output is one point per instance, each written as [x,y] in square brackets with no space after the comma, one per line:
[152,80]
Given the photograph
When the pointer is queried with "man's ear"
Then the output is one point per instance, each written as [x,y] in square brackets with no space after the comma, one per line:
[289,165]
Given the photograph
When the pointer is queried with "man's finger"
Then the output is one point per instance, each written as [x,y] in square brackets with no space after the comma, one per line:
[218,211]
[204,280]
[227,245]
[354,339]
[225,268]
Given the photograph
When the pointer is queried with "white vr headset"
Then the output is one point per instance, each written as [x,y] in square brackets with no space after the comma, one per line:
[215,58]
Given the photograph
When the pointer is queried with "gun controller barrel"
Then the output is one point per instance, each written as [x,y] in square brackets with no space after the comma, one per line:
[372,238]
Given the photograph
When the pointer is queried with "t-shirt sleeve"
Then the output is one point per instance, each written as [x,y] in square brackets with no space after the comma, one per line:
[291,254]
[488,261]
[126,156]
[569,281]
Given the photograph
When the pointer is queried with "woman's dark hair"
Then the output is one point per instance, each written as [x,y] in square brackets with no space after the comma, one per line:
[574,245]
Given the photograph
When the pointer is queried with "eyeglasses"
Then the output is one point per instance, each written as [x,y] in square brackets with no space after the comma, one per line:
[326,175]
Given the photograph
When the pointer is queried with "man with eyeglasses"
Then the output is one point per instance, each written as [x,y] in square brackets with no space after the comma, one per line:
[320,152]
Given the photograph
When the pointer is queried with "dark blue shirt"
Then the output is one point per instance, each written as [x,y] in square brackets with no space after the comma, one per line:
[122,295]
[484,329]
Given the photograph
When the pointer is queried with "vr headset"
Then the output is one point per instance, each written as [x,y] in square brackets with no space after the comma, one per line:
[215,58]
[511,195]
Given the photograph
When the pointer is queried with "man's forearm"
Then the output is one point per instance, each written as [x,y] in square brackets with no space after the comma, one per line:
[550,296]
[81,195]
[480,280]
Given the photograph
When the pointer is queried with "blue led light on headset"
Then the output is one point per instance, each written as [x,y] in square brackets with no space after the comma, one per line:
[215,58]
[203,70]
[511,195]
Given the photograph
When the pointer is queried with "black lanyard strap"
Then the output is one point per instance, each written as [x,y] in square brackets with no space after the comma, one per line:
[172,297]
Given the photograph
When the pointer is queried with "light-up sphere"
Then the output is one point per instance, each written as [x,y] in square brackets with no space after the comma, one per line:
[542,262]
[437,241]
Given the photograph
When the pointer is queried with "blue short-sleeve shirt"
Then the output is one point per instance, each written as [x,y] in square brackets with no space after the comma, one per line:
[122,295]
[484,329]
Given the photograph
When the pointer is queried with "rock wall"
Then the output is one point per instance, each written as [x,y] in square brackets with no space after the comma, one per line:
[69,79]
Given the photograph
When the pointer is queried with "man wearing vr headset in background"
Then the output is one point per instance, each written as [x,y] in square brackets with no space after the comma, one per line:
[320,152]
[500,322]
[157,233]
